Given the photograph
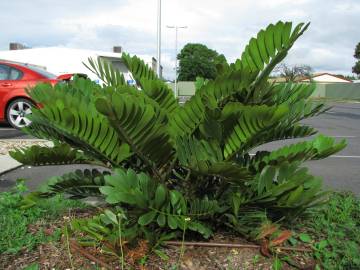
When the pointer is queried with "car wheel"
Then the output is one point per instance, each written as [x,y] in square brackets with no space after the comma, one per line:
[17,111]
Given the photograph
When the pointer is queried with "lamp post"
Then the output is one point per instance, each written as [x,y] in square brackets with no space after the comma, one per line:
[176,27]
[158,67]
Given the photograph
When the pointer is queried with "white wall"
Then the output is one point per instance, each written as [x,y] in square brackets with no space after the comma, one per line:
[59,60]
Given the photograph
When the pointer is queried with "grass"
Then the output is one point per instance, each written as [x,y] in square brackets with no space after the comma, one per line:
[15,221]
[333,230]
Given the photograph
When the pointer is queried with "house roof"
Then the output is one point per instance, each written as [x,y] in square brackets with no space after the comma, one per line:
[325,73]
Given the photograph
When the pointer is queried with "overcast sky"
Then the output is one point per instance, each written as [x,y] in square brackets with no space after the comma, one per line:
[225,26]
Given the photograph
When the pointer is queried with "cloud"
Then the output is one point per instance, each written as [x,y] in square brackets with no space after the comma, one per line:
[225,26]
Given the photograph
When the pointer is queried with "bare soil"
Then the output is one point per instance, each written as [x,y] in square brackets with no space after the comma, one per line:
[62,255]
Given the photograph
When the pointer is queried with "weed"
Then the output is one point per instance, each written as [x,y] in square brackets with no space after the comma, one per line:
[34,266]
[255,260]
[335,232]
[23,229]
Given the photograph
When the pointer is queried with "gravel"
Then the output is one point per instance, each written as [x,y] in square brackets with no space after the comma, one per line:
[8,145]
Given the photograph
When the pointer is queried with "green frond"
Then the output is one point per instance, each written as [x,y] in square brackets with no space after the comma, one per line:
[138,68]
[139,125]
[187,118]
[157,203]
[152,86]
[105,71]
[161,93]
[37,155]
[242,123]
[290,93]
[206,158]
[318,148]
[233,82]
[75,121]
[78,184]
[270,47]
[287,187]
[279,132]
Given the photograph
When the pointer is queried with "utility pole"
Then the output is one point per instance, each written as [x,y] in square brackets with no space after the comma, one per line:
[158,67]
[176,53]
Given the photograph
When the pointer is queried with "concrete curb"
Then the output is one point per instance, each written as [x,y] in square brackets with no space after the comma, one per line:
[24,140]
[7,164]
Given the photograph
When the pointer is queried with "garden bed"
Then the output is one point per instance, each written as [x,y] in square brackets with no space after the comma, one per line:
[38,241]
[55,255]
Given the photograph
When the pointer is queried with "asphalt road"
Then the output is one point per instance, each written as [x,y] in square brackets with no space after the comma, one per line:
[8,132]
[340,172]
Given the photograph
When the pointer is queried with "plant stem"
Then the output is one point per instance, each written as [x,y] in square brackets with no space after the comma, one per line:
[182,249]
[68,247]
[121,248]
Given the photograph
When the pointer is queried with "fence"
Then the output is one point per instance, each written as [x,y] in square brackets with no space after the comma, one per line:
[338,90]
[323,90]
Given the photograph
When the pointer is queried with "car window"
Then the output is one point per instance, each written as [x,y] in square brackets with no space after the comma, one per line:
[43,72]
[15,74]
[4,72]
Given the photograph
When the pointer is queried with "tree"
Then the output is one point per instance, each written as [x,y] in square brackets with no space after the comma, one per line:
[197,60]
[291,73]
[189,167]
[356,68]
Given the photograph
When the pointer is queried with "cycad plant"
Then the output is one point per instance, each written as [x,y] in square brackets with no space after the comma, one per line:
[193,166]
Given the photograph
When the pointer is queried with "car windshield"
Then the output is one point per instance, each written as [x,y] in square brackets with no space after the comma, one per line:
[43,72]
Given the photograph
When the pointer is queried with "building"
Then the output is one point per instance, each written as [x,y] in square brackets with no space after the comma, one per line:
[325,78]
[62,60]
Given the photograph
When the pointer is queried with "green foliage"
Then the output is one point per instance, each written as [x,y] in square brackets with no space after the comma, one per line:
[177,168]
[154,203]
[197,60]
[78,184]
[357,51]
[356,68]
[333,231]
[42,155]
[15,221]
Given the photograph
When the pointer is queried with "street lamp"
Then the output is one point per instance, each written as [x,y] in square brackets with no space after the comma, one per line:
[158,68]
[176,52]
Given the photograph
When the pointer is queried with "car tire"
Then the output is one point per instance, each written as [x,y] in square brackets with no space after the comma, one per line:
[16,112]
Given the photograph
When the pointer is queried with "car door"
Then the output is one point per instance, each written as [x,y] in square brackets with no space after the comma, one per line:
[10,85]
[4,77]
[10,79]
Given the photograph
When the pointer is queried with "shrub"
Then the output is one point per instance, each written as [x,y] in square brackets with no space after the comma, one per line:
[190,167]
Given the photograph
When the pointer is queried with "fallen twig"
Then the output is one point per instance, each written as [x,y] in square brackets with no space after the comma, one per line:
[230,245]
[87,255]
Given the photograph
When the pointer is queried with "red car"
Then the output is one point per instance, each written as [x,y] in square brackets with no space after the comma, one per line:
[15,104]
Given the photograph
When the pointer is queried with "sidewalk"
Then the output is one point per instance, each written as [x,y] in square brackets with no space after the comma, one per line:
[7,163]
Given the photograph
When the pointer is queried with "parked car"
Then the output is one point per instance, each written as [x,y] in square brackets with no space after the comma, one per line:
[15,103]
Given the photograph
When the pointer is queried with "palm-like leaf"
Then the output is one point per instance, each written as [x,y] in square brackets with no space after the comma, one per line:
[206,158]
[78,184]
[270,47]
[152,86]
[319,148]
[287,187]
[105,71]
[36,155]
[242,123]
[68,115]
[140,125]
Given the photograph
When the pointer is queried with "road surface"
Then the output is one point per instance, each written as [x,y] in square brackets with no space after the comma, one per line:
[340,172]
